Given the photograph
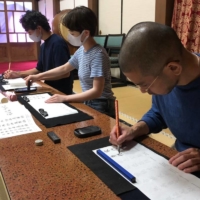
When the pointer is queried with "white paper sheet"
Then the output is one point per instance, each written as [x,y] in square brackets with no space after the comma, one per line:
[155,177]
[15,120]
[37,101]
[17,83]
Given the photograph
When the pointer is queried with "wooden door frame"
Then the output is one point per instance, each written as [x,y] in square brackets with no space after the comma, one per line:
[56,7]
[93,5]
[164,11]
[7,47]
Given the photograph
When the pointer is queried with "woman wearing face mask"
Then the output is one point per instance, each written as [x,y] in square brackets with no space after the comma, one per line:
[91,61]
[53,52]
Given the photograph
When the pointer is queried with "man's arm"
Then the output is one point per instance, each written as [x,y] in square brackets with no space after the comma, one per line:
[152,121]
[26,73]
[153,118]
[20,74]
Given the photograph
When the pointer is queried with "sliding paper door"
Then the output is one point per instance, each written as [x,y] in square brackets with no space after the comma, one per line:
[15,44]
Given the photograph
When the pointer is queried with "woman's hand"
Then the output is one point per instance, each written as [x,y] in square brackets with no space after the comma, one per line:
[31,78]
[57,98]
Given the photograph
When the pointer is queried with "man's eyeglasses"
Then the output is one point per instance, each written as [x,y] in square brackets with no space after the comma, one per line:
[147,89]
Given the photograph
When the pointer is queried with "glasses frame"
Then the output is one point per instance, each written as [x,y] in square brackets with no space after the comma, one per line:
[146,90]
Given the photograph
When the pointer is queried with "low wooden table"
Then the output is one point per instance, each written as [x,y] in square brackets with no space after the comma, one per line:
[52,171]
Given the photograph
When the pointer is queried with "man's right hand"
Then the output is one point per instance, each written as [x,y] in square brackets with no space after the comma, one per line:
[126,134]
[9,74]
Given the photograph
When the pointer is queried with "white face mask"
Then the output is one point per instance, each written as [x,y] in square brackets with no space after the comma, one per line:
[76,41]
[34,37]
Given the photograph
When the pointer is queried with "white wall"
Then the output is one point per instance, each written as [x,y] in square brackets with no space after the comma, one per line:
[109,16]
[134,11]
[81,3]
[70,4]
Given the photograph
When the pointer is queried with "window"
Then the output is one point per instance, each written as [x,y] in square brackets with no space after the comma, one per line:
[10,27]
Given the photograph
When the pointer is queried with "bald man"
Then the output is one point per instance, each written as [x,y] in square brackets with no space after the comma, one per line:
[154,59]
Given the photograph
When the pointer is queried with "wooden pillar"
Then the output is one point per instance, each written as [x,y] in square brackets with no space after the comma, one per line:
[93,5]
[164,11]
[56,7]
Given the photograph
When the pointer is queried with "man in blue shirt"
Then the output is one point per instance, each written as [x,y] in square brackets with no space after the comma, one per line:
[53,52]
[154,59]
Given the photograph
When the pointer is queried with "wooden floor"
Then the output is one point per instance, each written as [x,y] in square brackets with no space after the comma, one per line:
[132,105]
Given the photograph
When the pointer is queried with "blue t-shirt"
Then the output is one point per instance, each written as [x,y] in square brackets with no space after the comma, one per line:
[54,52]
[180,112]
[93,63]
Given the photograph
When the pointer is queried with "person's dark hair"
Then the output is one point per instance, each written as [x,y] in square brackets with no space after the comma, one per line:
[81,18]
[148,47]
[32,19]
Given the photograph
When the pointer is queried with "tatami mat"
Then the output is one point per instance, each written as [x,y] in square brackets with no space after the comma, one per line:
[132,105]
[3,190]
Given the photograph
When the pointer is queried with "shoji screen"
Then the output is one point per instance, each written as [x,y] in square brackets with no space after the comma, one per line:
[70,4]
[46,8]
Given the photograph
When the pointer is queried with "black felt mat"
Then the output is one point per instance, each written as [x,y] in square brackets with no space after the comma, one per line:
[51,122]
[110,177]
